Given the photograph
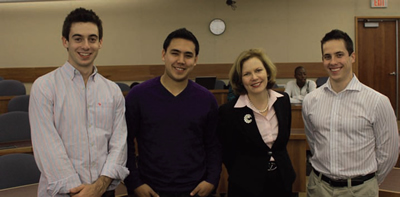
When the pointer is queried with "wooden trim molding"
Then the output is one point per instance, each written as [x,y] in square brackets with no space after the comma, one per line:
[145,72]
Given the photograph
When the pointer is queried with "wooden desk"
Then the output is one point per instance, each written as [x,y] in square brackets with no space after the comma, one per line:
[4,103]
[398,162]
[24,146]
[297,117]
[390,186]
[297,151]
[221,96]
[31,190]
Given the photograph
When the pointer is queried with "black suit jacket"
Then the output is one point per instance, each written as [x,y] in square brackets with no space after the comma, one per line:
[246,155]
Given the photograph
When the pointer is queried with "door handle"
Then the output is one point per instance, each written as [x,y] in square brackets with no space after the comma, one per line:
[392,73]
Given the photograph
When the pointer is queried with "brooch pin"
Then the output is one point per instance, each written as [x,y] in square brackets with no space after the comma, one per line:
[247,118]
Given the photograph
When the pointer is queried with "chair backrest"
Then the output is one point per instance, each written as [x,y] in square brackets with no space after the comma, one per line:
[19,103]
[17,170]
[124,87]
[11,88]
[219,84]
[133,84]
[321,81]
[14,126]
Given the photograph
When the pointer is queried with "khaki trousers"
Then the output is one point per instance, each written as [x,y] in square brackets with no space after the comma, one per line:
[318,188]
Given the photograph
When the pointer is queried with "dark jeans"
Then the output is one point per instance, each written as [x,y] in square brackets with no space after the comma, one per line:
[109,194]
[177,194]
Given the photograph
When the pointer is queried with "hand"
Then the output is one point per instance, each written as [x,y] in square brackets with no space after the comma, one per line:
[145,191]
[203,189]
[85,190]
[92,190]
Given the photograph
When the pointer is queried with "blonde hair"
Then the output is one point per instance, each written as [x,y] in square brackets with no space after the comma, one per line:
[235,74]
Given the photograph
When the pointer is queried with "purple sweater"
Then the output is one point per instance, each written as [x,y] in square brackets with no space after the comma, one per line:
[176,136]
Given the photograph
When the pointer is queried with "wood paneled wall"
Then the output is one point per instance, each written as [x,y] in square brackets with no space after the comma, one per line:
[145,72]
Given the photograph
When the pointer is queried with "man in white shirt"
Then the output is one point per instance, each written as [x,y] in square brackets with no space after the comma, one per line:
[298,88]
[351,128]
[77,119]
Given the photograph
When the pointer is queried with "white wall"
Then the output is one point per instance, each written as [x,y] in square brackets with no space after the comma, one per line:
[289,30]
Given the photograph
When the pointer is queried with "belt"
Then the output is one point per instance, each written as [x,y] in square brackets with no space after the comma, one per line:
[343,182]
[271,166]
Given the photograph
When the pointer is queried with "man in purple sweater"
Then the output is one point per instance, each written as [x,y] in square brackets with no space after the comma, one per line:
[174,122]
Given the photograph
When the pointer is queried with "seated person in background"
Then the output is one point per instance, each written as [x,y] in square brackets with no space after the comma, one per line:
[299,88]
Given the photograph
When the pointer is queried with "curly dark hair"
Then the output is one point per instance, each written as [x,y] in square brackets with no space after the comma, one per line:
[81,15]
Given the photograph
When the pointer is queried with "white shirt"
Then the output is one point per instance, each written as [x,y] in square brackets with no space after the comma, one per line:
[295,93]
[351,133]
[78,132]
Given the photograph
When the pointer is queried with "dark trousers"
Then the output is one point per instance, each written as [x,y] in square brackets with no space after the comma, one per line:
[109,194]
[177,194]
[273,187]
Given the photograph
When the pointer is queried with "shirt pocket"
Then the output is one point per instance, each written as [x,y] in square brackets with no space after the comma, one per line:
[104,115]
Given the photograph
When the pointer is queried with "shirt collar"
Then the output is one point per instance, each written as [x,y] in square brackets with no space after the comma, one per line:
[354,85]
[71,71]
[244,101]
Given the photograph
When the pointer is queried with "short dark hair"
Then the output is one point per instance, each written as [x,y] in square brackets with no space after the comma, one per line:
[298,68]
[235,74]
[81,15]
[184,34]
[338,35]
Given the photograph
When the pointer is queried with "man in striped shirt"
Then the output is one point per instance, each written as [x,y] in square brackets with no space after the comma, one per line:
[77,118]
[351,128]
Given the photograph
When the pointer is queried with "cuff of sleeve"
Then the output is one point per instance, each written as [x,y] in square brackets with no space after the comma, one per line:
[115,172]
[213,180]
[64,185]
[132,182]
[215,183]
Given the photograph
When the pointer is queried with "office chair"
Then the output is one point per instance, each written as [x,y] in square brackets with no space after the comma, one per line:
[17,170]
[219,84]
[11,88]
[14,126]
[321,81]
[124,87]
[19,103]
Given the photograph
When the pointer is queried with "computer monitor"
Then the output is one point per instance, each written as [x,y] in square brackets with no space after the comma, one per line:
[206,81]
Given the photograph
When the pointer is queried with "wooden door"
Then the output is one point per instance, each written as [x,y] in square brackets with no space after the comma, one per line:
[376,57]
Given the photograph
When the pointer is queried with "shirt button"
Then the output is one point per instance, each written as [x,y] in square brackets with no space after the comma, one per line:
[269,152]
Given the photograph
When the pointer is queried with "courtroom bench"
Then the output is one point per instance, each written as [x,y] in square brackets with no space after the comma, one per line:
[390,187]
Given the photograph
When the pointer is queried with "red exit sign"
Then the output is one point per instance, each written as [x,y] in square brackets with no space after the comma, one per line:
[379,3]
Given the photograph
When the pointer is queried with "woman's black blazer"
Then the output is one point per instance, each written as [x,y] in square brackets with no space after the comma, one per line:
[245,154]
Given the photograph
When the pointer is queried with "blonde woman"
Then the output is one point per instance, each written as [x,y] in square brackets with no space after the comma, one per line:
[254,130]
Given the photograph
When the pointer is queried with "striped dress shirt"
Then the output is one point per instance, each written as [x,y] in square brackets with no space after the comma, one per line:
[350,133]
[78,132]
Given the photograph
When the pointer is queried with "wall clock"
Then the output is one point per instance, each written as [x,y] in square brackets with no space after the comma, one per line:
[217,26]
